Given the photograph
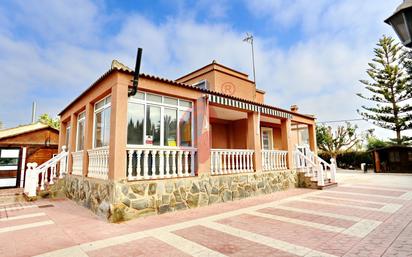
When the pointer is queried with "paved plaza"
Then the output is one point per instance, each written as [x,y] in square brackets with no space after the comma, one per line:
[367,215]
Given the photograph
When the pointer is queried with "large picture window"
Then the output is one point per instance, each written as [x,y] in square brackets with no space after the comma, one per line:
[155,120]
[81,119]
[102,122]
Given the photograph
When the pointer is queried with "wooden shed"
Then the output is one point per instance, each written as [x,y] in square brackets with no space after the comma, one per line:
[35,142]
[393,159]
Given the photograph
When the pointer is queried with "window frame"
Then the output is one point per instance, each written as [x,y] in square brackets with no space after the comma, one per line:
[164,106]
[99,110]
[82,119]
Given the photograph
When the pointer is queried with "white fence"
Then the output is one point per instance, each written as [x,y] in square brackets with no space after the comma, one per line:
[154,163]
[45,173]
[314,166]
[274,160]
[228,161]
[77,167]
[98,163]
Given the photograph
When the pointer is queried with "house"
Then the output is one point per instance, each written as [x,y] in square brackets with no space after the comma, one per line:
[205,137]
[393,159]
[35,142]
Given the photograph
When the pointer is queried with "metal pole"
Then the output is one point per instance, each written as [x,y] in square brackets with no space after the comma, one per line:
[33,113]
[249,39]
[253,61]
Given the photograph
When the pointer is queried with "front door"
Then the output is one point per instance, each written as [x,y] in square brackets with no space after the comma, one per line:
[9,167]
[267,138]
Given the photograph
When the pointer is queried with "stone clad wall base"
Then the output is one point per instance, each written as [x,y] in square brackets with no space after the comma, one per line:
[122,201]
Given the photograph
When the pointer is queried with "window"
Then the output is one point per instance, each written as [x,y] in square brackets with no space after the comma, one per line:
[170,127]
[202,84]
[67,142]
[81,119]
[267,138]
[135,117]
[394,157]
[185,128]
[9,158]
[159,121]
[152,125]
[102,122]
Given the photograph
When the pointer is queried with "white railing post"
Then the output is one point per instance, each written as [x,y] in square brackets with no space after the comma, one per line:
[161,164]
[333,170]
[321,179]
[186,163]
[130,166]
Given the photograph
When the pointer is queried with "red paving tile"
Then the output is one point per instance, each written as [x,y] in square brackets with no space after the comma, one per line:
[385,187]
[143,247]
[362,197]
[371,191]
[309,217]
[227,244]
[348,202]
[9,223]
[391,238]
[291,233]
[343,210]
[75,224]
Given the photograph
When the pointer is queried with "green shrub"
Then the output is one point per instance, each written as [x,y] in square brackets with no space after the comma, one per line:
[350,160]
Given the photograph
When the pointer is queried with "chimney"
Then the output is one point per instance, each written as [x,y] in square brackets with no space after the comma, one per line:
[294,108]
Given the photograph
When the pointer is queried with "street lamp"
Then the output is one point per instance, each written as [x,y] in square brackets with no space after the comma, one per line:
[401,22]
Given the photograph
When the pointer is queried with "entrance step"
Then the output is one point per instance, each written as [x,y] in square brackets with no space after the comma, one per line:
[12,195]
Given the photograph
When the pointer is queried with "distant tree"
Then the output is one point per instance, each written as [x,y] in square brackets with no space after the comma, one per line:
[391,88]
[343,139]
[375,143]
[46,119]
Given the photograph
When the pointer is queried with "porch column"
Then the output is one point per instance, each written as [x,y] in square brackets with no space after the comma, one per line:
[253,139]
[286,131]
[118,132]
[202,136]
[88,136]
[62,135]
[72,139]
[312,138]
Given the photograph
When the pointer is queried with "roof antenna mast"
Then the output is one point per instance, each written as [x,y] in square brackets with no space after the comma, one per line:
[136,72]
[249,39]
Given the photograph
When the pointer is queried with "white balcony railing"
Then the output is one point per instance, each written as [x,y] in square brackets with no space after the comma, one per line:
[77,167]
[274,160]
[228,161]
[158,162]
[98,163]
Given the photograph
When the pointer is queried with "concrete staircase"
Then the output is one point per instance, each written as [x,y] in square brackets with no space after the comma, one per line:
[315,172]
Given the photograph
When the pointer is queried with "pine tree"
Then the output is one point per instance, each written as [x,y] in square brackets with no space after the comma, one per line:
[391,89]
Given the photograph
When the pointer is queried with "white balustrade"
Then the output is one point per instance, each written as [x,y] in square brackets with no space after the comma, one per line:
[157,163]
[77,167]
[314,166]
[228,161]
[274,160]
[45,173]
[98,163]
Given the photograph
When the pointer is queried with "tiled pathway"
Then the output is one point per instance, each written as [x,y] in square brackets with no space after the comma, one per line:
[356,219]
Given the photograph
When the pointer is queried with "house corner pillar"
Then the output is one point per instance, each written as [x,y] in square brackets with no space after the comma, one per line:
[286,131]
[312,138]
[72,142]
[202,136]
[88,137]
[253,139]
[118,132]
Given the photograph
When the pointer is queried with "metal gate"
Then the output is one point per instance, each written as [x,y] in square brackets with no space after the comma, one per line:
[10,167]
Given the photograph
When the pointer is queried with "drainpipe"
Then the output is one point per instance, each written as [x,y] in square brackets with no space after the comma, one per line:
[136,72]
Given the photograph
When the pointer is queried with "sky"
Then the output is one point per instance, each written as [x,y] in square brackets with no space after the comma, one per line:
[310,53]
